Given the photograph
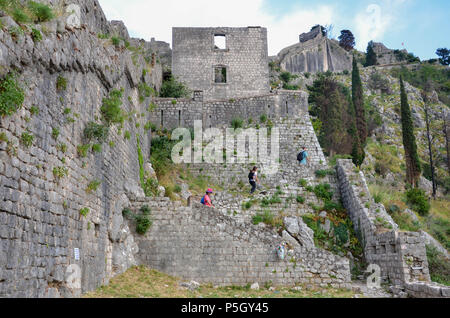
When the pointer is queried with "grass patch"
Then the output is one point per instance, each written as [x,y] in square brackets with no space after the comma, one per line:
[141,281]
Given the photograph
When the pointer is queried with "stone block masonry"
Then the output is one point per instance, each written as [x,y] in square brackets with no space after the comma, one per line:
[401,255]
[202,244]
[41,229]
[244,58]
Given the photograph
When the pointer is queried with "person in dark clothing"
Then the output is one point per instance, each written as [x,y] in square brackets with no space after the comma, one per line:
[253,178]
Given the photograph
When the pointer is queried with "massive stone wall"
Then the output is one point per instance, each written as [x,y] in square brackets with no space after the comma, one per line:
[401,255]
[245,58]
[40,221]
[202,244]
[315,53]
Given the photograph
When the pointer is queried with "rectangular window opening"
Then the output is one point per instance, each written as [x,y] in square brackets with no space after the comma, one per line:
[220,74]
[220,42]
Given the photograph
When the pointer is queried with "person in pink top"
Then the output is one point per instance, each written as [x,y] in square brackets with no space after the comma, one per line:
[206,200]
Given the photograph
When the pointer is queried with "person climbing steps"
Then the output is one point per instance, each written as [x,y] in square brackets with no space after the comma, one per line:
[206,200]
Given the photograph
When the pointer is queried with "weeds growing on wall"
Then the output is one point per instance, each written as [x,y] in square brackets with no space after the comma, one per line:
[143,220]
[11,95]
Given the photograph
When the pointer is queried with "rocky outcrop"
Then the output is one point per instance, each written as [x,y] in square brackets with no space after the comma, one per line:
[314,53]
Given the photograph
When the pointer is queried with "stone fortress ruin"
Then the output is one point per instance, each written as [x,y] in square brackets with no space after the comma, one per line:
[48,249]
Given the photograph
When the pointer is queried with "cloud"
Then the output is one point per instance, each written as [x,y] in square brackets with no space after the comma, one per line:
[375,21]
[154,18]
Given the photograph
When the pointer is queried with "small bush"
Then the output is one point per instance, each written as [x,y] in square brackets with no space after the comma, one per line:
[62,148]
[303,183]
[83,150]
[263,118]
[84,211]
[97,148]
[93,186]
[171,88]
[97,131]
[324,173]
[36,35]
[322,191]
[127,135]
[20,16]
[111,108]
[55,133]
[418,201]
[11,95]
[145,91]
[60,172]
[300,199]
[27,139]
[439,267]
[41,11]
[115,41]
[150,187]
[34,110]
[237,123]
[61,83]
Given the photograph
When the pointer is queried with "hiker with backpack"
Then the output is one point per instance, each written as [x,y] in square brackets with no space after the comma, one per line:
[206,200]
[253,179]
[303,157]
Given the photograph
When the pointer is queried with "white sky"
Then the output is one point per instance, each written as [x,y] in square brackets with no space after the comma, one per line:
[155,18]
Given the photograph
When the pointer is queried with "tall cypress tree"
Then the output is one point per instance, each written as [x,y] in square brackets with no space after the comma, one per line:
[358,104]
[413,169]
[371,56]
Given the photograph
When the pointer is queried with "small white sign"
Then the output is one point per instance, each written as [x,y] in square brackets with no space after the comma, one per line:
[76,252]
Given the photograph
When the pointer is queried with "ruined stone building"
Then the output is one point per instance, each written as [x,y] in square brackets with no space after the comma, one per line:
[222,62]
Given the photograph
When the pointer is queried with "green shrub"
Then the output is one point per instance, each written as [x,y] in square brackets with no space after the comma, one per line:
[62,148]
[36,35]
[263,118]
[303,183]
[20,16]
[161,154]
[150,187]
[115,41]
[111,108]
[438,265]
[97,131]
[341,233]
[27,139]
[417,199]
[60,172]
[145,91]
[11,95]
[67,111]
[237,123]
[247,205]
[127,135]
[323,173]
[300,199]
[55,133]
[266,217]
[34,110]
[171,88]
[97,148]
[93,186]
[322,191]
[143,221]
[61,83]
[83,150]
[84,211]
[41,11]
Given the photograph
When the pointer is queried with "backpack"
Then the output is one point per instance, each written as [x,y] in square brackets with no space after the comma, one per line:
[301,156]
[203,200]
[281,252]
[251,175]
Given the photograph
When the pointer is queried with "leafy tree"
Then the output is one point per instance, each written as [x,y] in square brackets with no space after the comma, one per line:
[331,104]
[413,169]
[172,88]
[347,40]
[371,56]
[444,55]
